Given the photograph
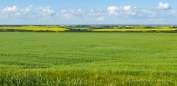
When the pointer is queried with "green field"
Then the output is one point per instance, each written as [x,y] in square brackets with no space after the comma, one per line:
[88,59]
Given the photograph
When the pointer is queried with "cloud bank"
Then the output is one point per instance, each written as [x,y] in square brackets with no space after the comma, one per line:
[162,14]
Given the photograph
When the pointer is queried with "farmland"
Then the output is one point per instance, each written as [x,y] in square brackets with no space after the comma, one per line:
[89,28]
[88,59]
[33,28]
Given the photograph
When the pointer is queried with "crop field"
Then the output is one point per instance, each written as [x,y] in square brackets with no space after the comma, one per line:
[34,28]
[140,29]
[136,29]
[88,59]
[87,28]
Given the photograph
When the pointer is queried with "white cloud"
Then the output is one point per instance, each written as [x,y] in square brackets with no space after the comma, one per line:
[127,8]
[72,11]
[130,11]
[113,14]
[164,6]
[28,13]
[112,10]
[28,8]
[68,16]
[46,10]
[63,11]
[8,12]
[14,8]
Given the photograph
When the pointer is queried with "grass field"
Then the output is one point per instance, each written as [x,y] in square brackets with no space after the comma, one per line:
[88,59]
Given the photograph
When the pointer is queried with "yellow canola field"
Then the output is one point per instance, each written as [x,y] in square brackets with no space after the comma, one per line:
[134,29]
[35,28]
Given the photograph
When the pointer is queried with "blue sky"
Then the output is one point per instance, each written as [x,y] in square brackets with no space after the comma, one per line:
[88,12]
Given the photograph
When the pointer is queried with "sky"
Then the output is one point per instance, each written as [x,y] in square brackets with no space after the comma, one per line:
[88,12]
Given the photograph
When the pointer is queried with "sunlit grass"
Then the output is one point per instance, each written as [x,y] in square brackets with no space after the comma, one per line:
[100,59]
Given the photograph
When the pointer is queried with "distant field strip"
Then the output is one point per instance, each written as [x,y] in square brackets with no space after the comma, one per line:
[35,28]
[88,29]
[134,29]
